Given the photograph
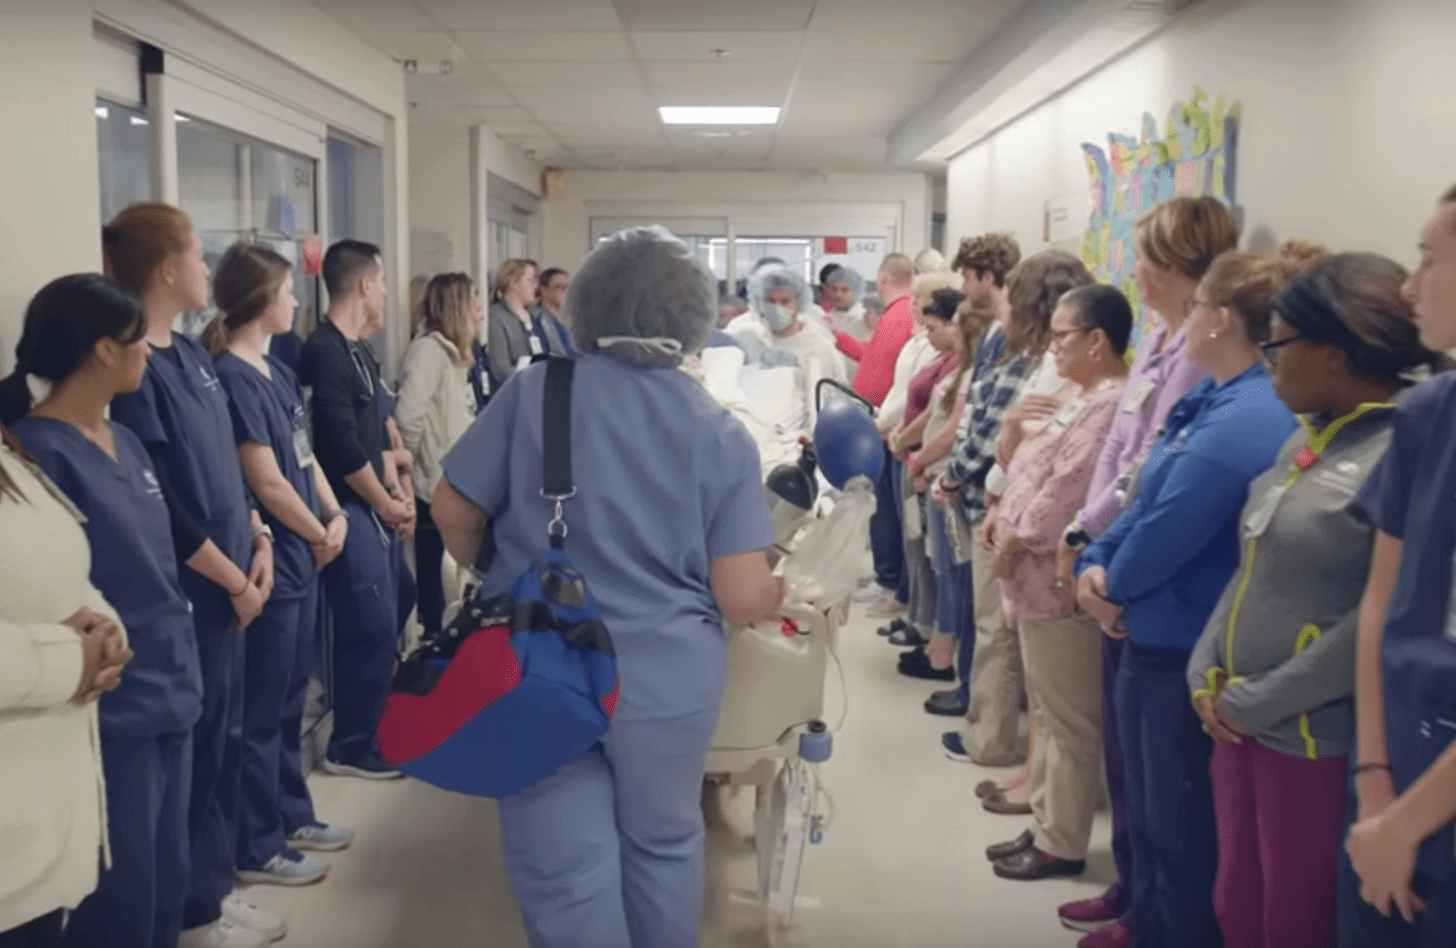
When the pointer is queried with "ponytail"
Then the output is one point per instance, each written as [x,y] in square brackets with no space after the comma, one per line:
[215,336]
[247,282]
[63,323]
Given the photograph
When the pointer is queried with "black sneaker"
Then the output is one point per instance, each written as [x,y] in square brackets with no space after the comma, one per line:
[372,766]
[946,703]
[891,629]
[916,664]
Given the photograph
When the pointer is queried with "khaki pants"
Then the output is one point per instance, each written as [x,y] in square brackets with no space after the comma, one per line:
[1064,677]
[997,680]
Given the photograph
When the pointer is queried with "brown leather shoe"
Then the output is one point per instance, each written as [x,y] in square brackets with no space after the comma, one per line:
[1005,807]
[1010,848]
[1032,864]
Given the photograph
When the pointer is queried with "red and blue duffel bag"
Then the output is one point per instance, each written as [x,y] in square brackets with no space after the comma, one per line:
[518,685]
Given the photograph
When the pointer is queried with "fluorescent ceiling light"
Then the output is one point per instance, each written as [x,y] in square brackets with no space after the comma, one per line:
[720,114]
[102,111]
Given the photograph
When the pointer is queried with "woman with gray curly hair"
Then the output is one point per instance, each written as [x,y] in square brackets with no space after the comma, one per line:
[669,526]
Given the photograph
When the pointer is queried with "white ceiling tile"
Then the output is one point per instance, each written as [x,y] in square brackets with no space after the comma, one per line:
[413,44]
[874,16]
[523,15]
[875,48]
[709,93]
[534,46]
[741,47]
[722,74]
[677,15]
[568,75]
[395,15]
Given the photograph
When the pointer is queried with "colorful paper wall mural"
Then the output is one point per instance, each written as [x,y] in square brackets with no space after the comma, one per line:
[1194,156]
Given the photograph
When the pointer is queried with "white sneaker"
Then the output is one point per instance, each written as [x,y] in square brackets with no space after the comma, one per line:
[286,868]
[887,608]
[873,592]
[222,934]
[321,837]
[245,914]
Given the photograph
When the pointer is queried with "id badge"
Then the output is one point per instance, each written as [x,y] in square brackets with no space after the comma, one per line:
[1451,609]
[536,345]
[1135,401]
[302,450]
[1067,415]
[1258,519]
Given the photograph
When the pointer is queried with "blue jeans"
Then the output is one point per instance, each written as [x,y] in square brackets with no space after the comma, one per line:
[886,539]
[1170,815]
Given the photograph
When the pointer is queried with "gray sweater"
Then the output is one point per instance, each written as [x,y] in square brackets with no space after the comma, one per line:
[1284,629]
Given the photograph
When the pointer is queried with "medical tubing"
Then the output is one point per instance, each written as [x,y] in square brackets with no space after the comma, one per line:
[819,396]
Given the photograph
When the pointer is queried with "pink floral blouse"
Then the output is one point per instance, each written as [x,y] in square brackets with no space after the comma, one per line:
[1048,476]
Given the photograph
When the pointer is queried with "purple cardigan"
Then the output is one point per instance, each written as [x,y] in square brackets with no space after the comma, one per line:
[1155,383]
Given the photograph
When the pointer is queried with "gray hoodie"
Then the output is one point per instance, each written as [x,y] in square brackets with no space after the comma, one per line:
[1284,629]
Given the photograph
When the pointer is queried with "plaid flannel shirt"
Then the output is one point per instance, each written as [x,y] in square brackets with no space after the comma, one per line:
[994,387]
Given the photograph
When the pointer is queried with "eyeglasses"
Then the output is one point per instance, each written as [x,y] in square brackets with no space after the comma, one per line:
[1270,348]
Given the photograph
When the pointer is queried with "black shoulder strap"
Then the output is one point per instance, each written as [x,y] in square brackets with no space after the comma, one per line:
[556,474]
[556,420]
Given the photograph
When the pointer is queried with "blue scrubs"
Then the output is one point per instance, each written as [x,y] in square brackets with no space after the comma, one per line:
[1411,495]
[182,408]
[146,724]
[608,853]
[279,643]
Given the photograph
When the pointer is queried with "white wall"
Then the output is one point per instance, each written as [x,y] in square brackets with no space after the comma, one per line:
[439,198]
[1347,135]
[777,203]
[49,182]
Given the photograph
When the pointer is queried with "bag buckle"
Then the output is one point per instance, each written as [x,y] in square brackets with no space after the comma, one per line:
[557,528]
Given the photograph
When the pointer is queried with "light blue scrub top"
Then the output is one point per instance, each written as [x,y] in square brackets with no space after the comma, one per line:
[667,482]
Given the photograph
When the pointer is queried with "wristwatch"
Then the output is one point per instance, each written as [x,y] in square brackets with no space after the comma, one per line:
[263,531]
[1077,538]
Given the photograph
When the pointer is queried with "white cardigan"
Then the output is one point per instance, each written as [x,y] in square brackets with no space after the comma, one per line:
[434,407]
[52,799]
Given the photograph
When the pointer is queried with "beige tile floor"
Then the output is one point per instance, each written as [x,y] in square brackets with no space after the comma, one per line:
[901,867]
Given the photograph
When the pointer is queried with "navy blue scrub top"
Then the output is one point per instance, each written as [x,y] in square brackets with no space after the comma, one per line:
[269,412]
[1411,495]
[183,408]
[134,567]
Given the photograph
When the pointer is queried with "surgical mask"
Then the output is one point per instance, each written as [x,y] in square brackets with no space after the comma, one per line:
[778,317]
[667,350]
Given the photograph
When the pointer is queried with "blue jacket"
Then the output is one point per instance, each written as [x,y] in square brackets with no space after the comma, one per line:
[1170,555]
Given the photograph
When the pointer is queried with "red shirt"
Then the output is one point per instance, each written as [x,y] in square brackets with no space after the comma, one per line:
[877,357]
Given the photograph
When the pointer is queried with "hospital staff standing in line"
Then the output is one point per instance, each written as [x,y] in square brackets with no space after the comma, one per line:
[254,291]
[181,415]
[434,408]
[84,343]
[368,588]
[1273,675]
[670,530]
[1399,889]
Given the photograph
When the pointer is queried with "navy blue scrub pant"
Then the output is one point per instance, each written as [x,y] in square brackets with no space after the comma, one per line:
[886,542]
[138,901]
[275,799]
[217,759]
[1170,815]
[370,594]
[429,557]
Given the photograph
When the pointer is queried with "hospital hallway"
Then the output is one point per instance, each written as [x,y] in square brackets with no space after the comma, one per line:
[902,866]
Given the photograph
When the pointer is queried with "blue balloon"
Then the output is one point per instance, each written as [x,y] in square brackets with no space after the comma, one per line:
[847,443]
